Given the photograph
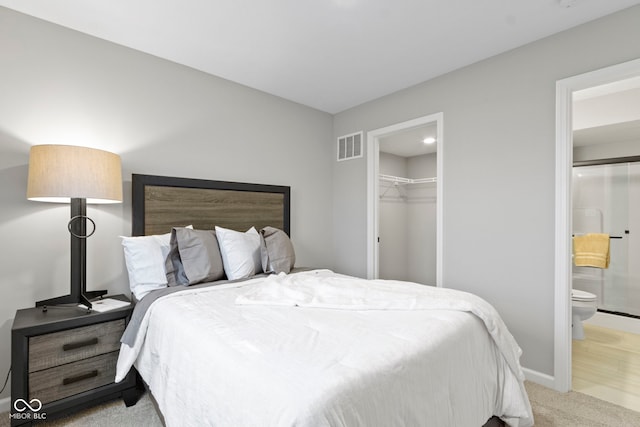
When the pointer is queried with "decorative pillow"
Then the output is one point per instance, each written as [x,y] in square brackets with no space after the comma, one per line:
[240,252]
[144,257]
[194,257]
[277,251]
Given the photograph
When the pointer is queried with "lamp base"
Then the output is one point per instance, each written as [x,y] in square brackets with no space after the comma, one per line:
[82,298]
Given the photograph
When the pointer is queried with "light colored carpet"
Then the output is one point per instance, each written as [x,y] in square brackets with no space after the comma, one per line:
[550,409]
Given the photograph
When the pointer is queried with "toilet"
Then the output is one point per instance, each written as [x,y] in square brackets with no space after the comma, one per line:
[583,306]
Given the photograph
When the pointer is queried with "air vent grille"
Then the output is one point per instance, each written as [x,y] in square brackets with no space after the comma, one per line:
[350,146]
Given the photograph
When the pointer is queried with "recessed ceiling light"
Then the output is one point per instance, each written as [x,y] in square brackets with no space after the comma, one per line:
[567,3]
[429,140]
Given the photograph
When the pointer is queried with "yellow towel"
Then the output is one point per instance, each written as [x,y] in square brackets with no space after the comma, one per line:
[591,250]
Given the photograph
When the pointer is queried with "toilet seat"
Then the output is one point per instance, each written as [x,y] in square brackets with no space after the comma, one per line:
[578,295]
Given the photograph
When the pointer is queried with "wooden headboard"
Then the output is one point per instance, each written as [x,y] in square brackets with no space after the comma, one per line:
[160,203]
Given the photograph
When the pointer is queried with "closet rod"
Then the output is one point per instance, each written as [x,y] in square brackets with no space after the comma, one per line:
[401,180]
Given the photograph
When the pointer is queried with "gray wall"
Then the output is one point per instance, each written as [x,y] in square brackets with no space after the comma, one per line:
[499,166]
[59,86]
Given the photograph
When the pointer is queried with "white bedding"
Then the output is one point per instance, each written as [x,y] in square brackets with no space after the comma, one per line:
[270,352]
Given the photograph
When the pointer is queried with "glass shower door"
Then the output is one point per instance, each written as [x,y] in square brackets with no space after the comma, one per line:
[606,199]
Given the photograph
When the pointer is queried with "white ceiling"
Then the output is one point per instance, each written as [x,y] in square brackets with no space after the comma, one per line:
[327,54]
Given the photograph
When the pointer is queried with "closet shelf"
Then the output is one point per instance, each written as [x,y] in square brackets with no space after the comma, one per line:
[401,180]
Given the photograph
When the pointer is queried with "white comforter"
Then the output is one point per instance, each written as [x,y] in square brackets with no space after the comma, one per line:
[320,349]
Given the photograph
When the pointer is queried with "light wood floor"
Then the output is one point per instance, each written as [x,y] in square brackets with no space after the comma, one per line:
[606,365]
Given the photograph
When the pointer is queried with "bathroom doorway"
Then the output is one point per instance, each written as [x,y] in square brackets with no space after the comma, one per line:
[589,89]
[404,198]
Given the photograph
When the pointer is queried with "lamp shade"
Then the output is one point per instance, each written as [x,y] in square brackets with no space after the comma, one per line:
[58,173]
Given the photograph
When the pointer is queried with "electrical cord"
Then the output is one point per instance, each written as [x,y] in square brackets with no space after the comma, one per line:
[6,380]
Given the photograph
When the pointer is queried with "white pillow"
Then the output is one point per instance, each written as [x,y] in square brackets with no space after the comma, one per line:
[145,258]
[240,252]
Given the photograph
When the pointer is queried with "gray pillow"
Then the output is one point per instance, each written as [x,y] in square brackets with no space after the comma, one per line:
[276,250]
[194,257]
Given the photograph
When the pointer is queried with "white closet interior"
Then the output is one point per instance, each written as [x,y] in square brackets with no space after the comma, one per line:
[407,217]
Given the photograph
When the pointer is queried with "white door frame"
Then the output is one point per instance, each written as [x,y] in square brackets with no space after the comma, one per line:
[373,168]
[564,166]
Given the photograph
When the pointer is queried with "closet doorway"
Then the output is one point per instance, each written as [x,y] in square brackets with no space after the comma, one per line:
[405,201]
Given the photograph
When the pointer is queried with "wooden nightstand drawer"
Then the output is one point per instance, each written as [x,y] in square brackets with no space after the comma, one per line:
[58,348]
[73,378]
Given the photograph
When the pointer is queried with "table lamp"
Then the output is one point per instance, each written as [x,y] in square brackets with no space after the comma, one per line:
[76,175]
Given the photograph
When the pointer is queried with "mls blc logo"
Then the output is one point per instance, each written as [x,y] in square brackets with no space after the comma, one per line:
[21,405]
[34,406]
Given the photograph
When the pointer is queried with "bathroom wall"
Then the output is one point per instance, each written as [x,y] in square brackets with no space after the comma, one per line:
[607,151]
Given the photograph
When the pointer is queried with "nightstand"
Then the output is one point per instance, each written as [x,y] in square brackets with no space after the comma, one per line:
[64,360]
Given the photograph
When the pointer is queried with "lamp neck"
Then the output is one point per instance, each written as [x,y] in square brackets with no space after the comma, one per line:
[78,246]
[78,209]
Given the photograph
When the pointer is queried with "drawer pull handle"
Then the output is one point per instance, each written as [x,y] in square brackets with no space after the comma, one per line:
[80,377]
[80,344]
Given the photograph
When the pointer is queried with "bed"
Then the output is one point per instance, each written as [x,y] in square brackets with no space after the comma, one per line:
[300,347]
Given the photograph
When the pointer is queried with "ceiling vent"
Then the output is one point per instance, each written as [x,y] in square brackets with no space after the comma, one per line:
[350,146]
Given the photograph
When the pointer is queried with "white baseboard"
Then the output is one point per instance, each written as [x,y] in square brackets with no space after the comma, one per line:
[539,378]
[5,404]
